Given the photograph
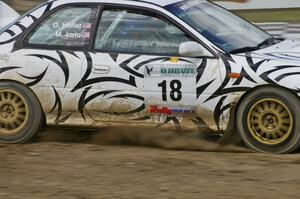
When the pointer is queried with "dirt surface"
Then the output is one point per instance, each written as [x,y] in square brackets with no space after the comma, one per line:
[127,163]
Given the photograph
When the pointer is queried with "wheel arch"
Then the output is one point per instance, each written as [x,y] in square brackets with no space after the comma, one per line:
[231,125]
[254,89]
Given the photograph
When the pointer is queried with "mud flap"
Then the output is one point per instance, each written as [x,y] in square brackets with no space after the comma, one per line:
[230,135]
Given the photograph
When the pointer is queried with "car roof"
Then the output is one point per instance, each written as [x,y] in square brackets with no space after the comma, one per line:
[161,3]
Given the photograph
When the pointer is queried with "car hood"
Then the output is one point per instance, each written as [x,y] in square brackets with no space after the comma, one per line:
[286,51]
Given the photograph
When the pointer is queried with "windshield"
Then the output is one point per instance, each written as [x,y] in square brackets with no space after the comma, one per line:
[227,31]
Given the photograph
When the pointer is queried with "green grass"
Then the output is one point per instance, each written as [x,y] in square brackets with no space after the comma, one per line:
[274,15]
[270,15]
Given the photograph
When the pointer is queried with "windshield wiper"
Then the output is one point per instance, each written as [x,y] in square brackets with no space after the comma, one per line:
[244,49]
[267,42]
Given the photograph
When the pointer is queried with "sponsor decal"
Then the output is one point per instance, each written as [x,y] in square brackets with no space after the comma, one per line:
[170,111]
[149,70]
[190,4]
[178,70]
[171,70]
[174,59]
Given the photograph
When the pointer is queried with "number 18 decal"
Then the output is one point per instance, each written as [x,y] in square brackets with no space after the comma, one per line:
[175,90]
[170,85]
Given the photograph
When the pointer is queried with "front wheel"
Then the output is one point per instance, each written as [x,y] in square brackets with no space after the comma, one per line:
[20,113]
[267,120]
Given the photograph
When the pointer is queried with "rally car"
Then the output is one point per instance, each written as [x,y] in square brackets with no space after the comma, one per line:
[184,64]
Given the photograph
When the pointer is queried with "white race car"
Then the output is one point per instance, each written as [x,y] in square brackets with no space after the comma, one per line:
[184,64]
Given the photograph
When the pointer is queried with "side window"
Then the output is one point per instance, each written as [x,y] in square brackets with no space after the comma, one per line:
[132,32]
[70,26]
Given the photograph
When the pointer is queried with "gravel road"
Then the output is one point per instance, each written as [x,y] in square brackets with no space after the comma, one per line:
[139,163]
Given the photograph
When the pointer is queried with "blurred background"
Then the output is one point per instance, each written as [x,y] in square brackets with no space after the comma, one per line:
[23,6]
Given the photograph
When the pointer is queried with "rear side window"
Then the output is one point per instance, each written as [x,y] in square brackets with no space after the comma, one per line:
[128,31]
[68,27]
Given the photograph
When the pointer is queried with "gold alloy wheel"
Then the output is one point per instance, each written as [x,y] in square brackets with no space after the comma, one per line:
[13,112]
[270,121]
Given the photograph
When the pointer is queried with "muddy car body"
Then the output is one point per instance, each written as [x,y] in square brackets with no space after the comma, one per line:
[141,63]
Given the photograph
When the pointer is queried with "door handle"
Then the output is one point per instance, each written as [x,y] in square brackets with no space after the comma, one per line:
[100,69]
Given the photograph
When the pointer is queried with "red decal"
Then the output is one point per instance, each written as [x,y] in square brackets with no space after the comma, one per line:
[86,35]
[165,110]
[87,25]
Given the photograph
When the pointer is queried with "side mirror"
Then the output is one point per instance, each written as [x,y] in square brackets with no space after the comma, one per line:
[192,49]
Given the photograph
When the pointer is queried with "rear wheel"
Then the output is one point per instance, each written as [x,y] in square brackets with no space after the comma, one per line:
[20,113]
[266,120]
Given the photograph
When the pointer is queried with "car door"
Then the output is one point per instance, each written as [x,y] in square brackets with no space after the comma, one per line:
[138,75]
[53,54]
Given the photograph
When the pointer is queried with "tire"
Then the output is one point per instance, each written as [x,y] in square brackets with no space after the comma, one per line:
[20,113]
[267,120]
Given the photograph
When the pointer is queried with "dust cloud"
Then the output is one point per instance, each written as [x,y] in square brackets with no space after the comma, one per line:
[146,137]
